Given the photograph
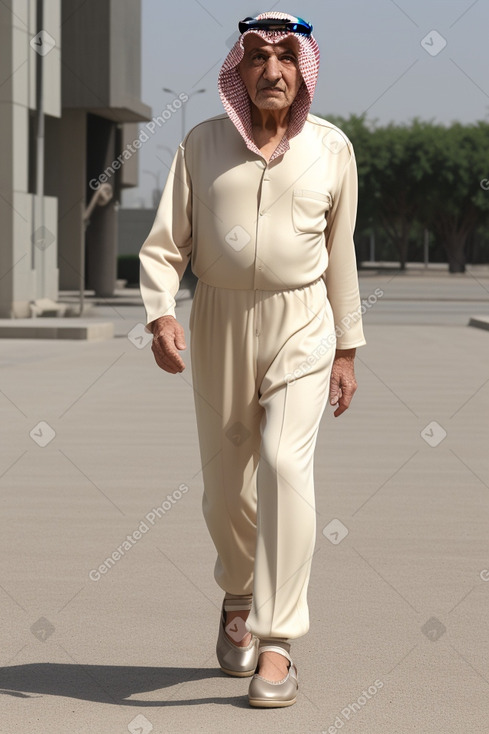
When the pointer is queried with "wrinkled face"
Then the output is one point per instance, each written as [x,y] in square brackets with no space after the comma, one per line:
[270,72]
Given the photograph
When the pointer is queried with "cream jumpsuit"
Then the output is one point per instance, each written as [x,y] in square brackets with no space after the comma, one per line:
[272,246]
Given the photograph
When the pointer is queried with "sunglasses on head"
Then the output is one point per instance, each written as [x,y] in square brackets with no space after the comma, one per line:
[298,25]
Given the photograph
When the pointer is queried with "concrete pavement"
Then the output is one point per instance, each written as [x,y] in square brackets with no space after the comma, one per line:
[99,461]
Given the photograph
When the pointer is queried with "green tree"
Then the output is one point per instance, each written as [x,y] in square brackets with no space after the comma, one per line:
[454,204]
[394,174]
[387,168]
[421,175]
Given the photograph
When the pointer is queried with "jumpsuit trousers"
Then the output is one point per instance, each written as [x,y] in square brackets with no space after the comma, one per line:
[261,384]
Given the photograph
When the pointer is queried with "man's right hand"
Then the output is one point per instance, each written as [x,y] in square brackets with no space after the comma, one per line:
[168,337]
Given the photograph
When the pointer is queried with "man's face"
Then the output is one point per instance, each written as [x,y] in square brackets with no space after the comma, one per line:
[270,72]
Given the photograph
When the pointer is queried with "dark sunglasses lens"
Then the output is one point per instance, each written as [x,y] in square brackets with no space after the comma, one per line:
[270,24]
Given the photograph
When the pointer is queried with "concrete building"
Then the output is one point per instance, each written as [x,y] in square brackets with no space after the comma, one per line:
[134,227]
[69,112]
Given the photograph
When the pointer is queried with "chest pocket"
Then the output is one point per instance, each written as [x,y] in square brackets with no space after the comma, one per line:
[309,210]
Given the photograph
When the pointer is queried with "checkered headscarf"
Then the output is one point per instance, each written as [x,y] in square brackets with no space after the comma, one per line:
[235,97]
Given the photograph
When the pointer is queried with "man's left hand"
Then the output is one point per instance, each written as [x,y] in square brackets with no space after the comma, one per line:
[343,383]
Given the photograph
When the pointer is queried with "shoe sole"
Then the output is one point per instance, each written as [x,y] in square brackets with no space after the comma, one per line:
[236,674]
[267,704]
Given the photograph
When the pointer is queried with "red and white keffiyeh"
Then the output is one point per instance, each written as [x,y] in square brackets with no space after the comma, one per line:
[235,97]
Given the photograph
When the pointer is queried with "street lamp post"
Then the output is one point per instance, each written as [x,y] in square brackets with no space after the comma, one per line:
[170,152]
[157,189]
[192,94]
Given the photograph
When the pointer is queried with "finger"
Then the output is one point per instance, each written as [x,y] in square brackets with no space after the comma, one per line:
[161,359]
[341,406]
[166,343]
[180,338]
[169,361]
[168,366]
[346,397]
[334,392]
[340,409]
[172,358]
[336,399]
[345,400]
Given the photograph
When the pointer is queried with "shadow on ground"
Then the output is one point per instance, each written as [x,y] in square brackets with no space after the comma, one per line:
[106,683]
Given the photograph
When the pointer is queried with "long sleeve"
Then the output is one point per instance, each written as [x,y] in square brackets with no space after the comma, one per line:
[341,276]
[167,249]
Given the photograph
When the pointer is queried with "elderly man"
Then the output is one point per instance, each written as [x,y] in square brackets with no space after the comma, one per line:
[263,200]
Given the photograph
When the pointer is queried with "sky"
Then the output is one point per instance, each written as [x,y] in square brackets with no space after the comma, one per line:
[393,59]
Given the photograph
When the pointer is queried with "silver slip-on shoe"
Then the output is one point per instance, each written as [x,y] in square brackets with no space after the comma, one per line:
[233,659]
[265,693]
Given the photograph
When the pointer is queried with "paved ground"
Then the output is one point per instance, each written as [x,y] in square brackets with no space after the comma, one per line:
[399,637]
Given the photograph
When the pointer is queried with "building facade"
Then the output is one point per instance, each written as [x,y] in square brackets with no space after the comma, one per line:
[70,77]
